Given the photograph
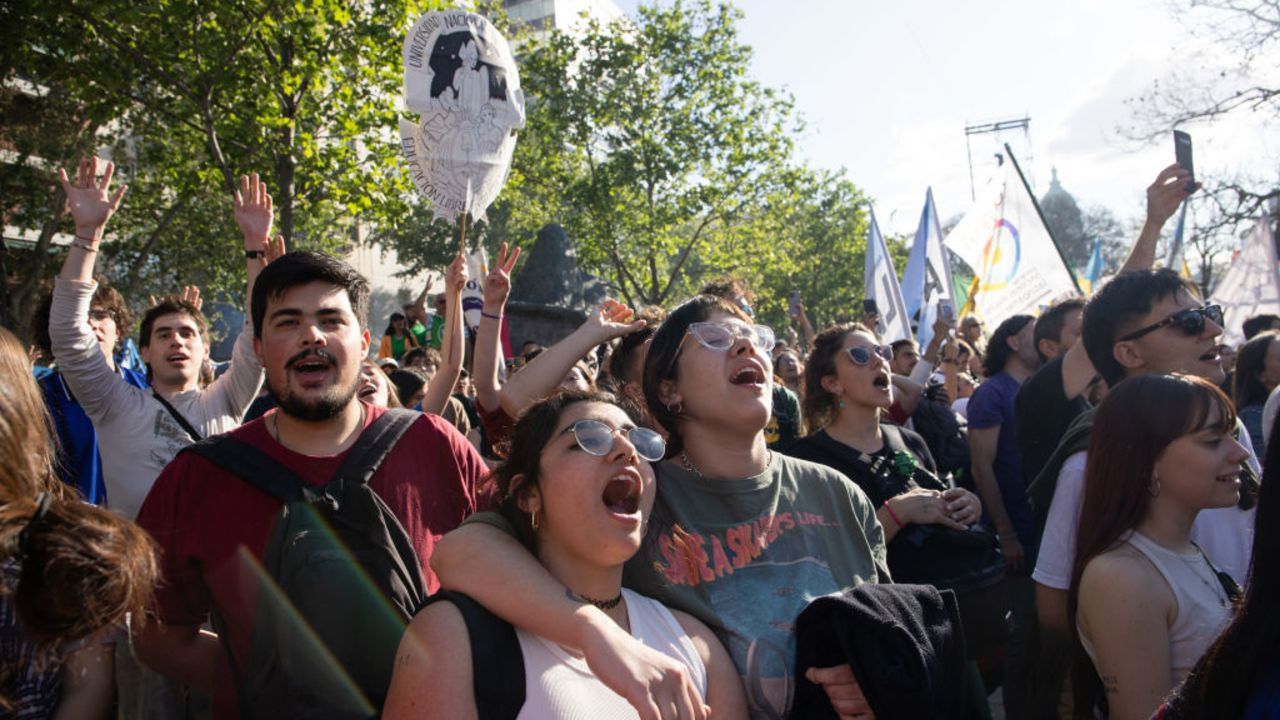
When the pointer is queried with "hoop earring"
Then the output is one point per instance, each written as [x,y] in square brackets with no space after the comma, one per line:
[679,407]
[534,521]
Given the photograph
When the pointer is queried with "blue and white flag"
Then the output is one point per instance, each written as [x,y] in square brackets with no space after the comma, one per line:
[1093,271]
[880,282]
[927,279]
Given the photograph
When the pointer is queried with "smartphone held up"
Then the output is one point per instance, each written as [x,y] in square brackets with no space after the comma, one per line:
[1182,153]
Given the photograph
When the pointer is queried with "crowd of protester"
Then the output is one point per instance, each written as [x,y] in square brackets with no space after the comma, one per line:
[675,514]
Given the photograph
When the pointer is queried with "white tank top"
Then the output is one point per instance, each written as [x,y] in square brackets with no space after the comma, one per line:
[1202,605]
[559,685]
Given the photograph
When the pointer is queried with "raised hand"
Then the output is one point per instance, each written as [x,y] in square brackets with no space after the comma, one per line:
[253,212]
[90,201]
[456,275]
[497,284]
[1167,193]
[271,249]
[612,319]
[190,294]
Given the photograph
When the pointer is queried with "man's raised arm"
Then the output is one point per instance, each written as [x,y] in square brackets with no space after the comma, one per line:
[1163,198]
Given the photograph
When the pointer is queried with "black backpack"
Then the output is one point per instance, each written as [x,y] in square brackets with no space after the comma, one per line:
[341,583]
[947,439]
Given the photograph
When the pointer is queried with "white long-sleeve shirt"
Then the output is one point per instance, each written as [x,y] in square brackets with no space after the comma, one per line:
[137,436]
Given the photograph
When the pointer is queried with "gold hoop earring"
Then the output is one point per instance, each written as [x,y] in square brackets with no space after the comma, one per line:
[533,521]
[679,407]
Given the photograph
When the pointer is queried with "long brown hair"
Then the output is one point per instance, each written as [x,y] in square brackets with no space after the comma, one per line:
[820,405]
[81,568]
[1122,458]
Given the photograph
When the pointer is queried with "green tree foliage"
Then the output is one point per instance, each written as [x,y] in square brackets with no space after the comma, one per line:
[195,93]
[652,146]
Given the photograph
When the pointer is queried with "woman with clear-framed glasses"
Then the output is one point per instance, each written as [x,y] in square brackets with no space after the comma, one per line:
[740,537]
[577,487]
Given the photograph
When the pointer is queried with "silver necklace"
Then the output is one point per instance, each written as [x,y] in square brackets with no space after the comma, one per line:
[688,464]
[1215,588]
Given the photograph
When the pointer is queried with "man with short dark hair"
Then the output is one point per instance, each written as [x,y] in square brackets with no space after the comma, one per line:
[1043,410]
[997,474]
[212,526]
[1259,323]
[1141,322]
[905,356]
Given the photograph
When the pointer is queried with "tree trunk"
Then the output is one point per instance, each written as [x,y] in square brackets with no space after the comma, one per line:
[286,178]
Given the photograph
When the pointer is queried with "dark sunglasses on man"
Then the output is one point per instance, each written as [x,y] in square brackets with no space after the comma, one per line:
[1190,322]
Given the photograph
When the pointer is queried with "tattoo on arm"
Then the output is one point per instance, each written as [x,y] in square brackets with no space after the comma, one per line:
[1111,684]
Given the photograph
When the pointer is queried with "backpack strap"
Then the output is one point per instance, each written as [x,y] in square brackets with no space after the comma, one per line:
[177,416]
[497,663]
[897,444]
[371,448]
[254,467]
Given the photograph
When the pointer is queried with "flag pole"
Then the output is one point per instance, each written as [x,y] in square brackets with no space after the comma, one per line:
[1036,204]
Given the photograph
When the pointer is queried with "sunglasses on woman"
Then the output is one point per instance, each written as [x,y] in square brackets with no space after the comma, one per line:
[596,438]
[861,355]
[1190,322]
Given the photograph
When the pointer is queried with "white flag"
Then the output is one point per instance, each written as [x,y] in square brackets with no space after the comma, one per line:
[881,284]
[927,279]
[1019,269]
[1251,285]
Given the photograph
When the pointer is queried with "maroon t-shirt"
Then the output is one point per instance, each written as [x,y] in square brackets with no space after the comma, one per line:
[212,527]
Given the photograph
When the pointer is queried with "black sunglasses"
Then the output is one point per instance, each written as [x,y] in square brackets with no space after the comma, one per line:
[1190,322]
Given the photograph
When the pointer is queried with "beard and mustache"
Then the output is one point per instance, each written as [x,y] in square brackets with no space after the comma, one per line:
[332,401]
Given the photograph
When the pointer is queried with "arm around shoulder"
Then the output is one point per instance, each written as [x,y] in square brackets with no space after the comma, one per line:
[432,677]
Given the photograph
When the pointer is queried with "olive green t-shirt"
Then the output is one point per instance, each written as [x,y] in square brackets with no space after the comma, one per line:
[746,556]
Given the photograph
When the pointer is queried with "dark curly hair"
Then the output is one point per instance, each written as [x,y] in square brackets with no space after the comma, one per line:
[820,405]
[998,350]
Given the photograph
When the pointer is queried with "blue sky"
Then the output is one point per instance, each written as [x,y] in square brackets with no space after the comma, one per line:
[886,89]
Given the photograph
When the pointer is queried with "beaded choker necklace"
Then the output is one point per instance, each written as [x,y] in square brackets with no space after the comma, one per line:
[609,604]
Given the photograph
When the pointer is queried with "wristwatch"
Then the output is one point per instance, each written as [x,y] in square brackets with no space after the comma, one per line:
[254,254]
